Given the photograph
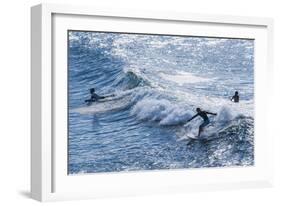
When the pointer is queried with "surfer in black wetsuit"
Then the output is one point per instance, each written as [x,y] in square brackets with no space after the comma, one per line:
[235,98]
[204,116]
[94,96]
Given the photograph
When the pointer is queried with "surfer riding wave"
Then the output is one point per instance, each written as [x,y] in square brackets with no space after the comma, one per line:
[204,116]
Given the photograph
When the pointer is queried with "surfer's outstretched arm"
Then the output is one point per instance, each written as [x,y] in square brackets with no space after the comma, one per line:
[111,95]
[211,113]
[103,97]
[192,118]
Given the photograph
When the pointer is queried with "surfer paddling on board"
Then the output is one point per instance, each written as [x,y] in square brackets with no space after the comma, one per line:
[235,98]
[95,97]
[204,116]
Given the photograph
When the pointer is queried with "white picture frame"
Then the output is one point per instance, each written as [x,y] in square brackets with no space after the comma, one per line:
[49,179]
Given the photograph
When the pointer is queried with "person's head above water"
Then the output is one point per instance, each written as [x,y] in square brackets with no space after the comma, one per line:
[92,90]
[198,109]
[236,93]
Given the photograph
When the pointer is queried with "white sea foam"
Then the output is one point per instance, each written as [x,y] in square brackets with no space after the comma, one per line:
[184,78]
[162,111]
[165,113]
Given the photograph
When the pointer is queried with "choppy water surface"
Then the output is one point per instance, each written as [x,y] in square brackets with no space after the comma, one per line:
[158,82]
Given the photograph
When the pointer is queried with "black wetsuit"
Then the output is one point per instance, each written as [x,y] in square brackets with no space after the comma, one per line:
[205,117]
[235,98]
[94,98]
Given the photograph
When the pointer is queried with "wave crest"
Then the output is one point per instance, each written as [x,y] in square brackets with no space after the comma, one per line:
[130,79]
[162,111]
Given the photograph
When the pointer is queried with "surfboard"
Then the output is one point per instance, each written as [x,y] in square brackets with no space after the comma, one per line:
[111,97]
[192,139]
[210,133]
[99,107]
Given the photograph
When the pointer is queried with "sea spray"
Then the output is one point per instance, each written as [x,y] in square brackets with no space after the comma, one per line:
[162,111]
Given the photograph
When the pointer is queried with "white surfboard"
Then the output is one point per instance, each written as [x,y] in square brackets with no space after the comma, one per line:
[209,133]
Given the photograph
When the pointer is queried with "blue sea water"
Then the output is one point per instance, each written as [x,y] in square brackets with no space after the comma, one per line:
[158,82]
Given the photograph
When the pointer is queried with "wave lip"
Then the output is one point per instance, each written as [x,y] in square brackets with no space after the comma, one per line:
[130,79]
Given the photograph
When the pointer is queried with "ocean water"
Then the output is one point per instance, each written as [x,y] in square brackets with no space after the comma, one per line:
[158,82]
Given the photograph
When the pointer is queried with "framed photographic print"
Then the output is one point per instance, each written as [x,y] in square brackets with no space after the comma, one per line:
[134,102]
